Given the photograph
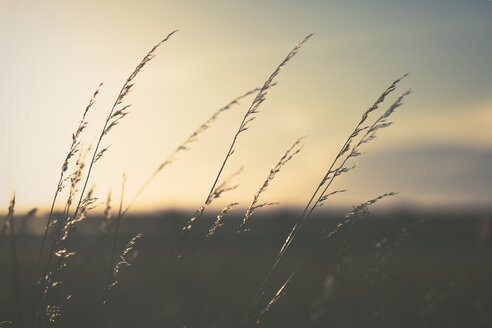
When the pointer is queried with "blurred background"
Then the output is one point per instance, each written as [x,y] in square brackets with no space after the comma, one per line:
[419,259]
[54,54]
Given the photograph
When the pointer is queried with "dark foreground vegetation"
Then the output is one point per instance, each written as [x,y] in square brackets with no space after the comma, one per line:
[397,268]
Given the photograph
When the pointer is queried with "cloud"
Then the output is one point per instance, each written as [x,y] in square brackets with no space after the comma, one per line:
[446,173]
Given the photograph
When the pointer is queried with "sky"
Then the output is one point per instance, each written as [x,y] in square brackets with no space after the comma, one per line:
[437,154]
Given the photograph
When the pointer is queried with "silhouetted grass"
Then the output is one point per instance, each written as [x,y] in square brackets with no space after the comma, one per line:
[334,276]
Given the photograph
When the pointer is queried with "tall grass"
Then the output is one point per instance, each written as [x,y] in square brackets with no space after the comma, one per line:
[117,112]
[112,275]
[14,259]
[171,158]
[255,204]
[216,191]
[81,199]
[350,149]
[74,149]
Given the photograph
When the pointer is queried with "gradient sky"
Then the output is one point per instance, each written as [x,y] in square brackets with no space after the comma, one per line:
[439,153]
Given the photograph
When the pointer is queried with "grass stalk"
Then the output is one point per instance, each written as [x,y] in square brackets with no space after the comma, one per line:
[248,117]
[15,264]
[279,294]
[292,151]
[330,176]
[113,254]
[74,148]
[117,112]
[114,117]
[171,158]
[185,145]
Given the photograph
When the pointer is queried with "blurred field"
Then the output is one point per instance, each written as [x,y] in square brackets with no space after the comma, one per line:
[398,268]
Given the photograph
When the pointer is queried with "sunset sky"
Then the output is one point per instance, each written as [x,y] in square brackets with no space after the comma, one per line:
[438,153]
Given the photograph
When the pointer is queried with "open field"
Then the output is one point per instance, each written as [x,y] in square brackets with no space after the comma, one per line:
[391,269]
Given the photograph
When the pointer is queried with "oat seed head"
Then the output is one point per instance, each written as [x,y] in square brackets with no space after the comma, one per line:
[261,96]
[222,188]
[218,221]
[361,209]
[292,151]
[124,261]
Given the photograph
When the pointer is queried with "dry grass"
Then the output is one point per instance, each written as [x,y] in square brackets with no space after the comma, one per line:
[13,256]
[112,274]
[171,158]
[81,200]
[350,149]
[52,278]
[216,191]
[289,154]
[74,149]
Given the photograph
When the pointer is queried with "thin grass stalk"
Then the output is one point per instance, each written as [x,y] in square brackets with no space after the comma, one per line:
[349,218]
[25,220]
[253,109]
[249,116]
[292,151]
[280,292]
[305,217]
[184,146]
[310,207]
[15,264]
[335,174]
[113,117]
[107,214]
[217,284]
[218,220]
[5,227]
[181,246]
[362,208]
[74,147]
[107,125]
[113,254]
[168,161]
[341,274]
[369,135]
[124,261]
[112,120]
[63,223]
[342,150]
[326,181]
